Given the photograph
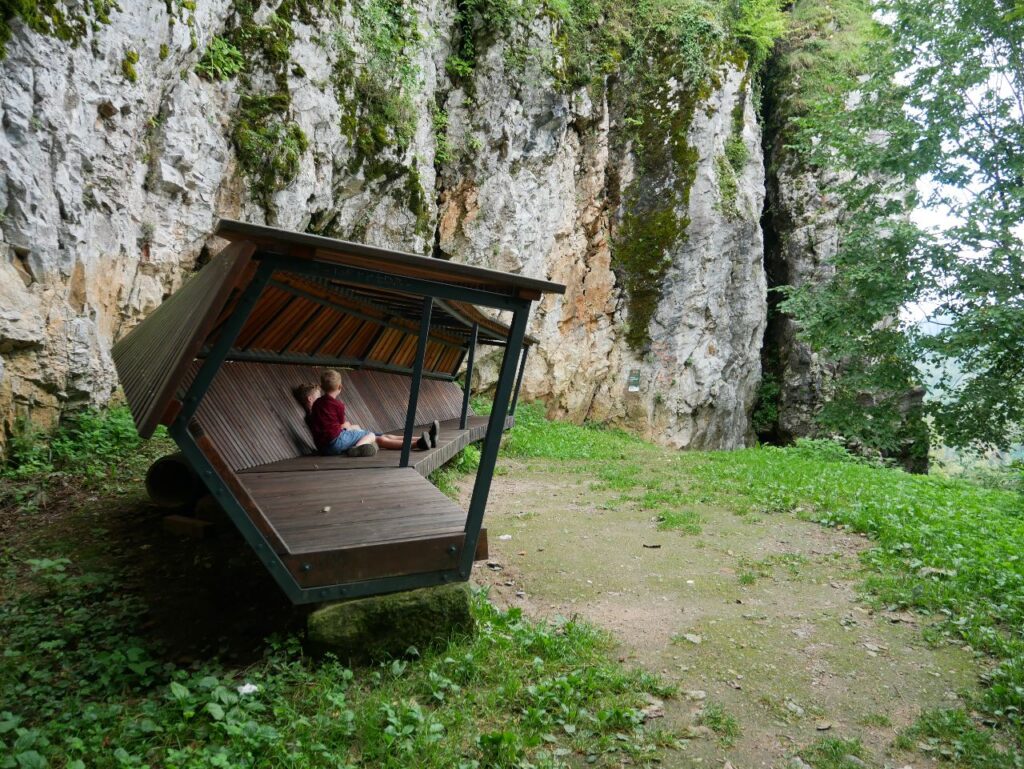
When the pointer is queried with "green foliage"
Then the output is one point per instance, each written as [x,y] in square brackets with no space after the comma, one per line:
[376,96]
[269,145]
[827,46]
[88,442]
[942,83]
[766,408]
[951,736]
[131,58]
[462,464]
[221,61]
[728,187]
[536,436]
[79,686]
[54,18]
[757,25]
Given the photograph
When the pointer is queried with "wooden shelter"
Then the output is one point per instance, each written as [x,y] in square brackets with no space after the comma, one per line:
[217,361]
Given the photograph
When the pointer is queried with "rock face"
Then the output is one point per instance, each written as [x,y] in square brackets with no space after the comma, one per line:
[804,228]
[116,158]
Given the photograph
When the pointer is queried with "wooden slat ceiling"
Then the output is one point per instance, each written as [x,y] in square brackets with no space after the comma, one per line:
[303,320]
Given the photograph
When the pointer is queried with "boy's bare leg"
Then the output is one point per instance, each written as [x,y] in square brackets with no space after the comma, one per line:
[394,442]
[389,442]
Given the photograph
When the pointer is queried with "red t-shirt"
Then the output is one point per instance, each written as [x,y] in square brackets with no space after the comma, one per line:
[325,420]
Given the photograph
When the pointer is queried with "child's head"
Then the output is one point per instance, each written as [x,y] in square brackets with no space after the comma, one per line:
[306,394]
[330,381]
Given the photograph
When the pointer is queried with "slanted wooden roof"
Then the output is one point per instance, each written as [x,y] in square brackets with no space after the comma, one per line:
[311,320]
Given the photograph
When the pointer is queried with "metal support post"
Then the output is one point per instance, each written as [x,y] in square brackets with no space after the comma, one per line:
[417,376]
[519,382]
[495,428]
[463,420]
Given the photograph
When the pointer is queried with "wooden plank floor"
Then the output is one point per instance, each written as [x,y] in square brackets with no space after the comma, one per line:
[366,506]
[452,441]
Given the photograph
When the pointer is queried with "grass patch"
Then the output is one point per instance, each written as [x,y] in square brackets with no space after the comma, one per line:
[721,722]
[834,753]
[877,719]
[951,736]
[92,451]
[685,521]
[462,464]
[83,683]
[536,436]
[944,547]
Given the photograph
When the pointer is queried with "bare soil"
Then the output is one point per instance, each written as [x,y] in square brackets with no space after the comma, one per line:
[759,615]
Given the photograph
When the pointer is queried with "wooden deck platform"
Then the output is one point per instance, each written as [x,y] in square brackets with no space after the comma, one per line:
[451,442]
[342,519]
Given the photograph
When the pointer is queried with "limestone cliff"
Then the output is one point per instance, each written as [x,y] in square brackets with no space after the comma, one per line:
[119,150]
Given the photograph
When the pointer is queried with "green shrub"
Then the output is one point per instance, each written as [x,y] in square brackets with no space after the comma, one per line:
[88,442]
[757,25]
[221,61]
[131,58]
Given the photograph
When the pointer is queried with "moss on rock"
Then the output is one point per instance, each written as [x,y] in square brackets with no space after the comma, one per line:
[384,626]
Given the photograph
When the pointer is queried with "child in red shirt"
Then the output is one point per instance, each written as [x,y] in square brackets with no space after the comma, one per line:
[333,434]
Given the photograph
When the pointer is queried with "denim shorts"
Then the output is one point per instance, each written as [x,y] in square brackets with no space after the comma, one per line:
[346,439]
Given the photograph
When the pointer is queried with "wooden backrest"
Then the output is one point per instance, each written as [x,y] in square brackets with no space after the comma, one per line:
[154,357]
[252,417]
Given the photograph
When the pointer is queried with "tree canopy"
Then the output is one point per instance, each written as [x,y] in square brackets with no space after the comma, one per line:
[936,121]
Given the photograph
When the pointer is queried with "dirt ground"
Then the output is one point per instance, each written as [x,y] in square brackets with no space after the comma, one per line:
[760,616]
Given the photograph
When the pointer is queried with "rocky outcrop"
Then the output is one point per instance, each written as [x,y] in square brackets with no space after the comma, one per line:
[802,221]
[116,157]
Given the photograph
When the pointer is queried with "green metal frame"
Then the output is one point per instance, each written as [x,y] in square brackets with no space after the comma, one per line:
[519,382]
[495,428]
[181,433]
[417,377]
[468,387]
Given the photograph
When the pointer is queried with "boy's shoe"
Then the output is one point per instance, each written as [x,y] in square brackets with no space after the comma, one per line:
[423,442]
[435,429]
[366,450]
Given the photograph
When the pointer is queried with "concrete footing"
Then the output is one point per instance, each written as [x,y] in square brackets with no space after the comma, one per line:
[368,629]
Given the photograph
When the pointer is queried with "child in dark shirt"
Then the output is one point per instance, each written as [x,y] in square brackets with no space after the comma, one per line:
[333,434]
